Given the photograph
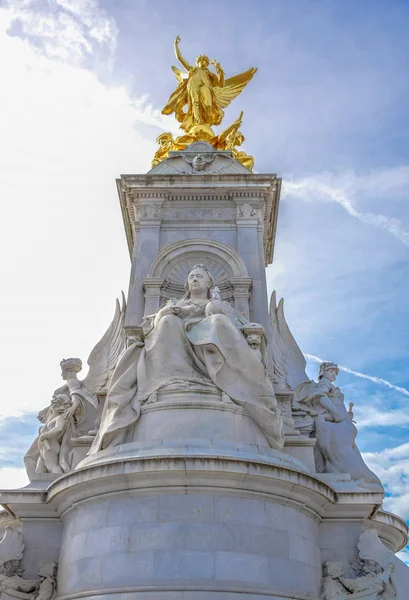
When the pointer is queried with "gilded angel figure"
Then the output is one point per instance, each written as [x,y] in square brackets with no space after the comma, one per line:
[205,93]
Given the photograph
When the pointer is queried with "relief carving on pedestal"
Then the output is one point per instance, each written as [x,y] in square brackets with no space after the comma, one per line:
[12,584]
[373,581]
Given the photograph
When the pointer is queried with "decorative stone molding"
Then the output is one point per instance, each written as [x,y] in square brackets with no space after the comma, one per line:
[225,255]
[262,190]
[198,214]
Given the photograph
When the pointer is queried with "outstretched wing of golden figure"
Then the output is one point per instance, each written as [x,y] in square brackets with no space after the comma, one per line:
[232,87]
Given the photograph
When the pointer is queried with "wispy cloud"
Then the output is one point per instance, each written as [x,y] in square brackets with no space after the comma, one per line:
[70,30]
[313,188]
[374,379]
[392,466]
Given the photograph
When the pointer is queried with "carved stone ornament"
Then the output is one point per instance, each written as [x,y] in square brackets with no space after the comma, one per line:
[247,211]
[375,585]
[11,551]
[148,211]
[42,588]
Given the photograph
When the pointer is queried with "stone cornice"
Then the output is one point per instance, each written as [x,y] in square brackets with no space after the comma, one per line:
[232,475]
[392,530]
[259,190]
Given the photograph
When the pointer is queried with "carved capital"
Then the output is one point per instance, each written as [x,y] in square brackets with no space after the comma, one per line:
[148,210]
[246,211]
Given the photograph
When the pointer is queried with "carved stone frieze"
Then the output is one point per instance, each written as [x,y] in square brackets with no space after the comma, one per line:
[198,214]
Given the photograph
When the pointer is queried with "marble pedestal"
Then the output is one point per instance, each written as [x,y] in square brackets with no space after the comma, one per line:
[176,515]
[179,527]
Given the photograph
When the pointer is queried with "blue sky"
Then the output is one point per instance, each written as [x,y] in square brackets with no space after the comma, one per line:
[83,85]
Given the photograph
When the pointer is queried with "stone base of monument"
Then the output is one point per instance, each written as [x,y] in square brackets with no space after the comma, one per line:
[213,527]
[196,506]
[181,525]
[172,523]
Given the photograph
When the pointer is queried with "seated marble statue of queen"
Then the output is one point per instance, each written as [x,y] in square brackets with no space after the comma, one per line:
[192,342]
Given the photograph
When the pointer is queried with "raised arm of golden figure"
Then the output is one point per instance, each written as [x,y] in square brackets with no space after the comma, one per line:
[180,58]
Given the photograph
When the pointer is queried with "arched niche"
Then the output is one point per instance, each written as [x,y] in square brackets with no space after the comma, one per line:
[168,272]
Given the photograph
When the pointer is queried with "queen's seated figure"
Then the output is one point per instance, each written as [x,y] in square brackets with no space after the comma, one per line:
[195,342]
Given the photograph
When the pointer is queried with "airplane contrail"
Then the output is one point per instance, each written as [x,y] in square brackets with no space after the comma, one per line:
[311,185]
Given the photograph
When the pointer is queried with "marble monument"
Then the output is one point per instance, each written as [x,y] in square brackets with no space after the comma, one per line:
[196,459]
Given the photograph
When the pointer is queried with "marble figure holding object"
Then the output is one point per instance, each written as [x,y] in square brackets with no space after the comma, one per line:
[322,403]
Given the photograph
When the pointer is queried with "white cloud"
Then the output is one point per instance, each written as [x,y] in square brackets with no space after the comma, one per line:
[392,466]
[404,555]
[11,477]
[70,30]
[65,138]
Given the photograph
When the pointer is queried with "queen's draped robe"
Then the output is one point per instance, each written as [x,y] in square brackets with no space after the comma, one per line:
[203,346]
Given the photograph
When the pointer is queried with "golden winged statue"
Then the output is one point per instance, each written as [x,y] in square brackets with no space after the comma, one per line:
[205,94]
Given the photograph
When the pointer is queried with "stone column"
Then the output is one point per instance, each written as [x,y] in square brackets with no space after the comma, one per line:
[241,294]
[249,214]
[152,286]
[147,245]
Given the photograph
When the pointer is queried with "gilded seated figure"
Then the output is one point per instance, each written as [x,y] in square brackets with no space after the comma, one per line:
[195,340]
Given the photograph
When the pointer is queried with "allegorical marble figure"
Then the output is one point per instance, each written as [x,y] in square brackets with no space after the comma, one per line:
[322,404]
[74,408]
[335,432]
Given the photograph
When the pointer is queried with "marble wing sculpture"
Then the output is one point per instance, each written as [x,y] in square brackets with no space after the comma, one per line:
[104,357]
[288,360]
